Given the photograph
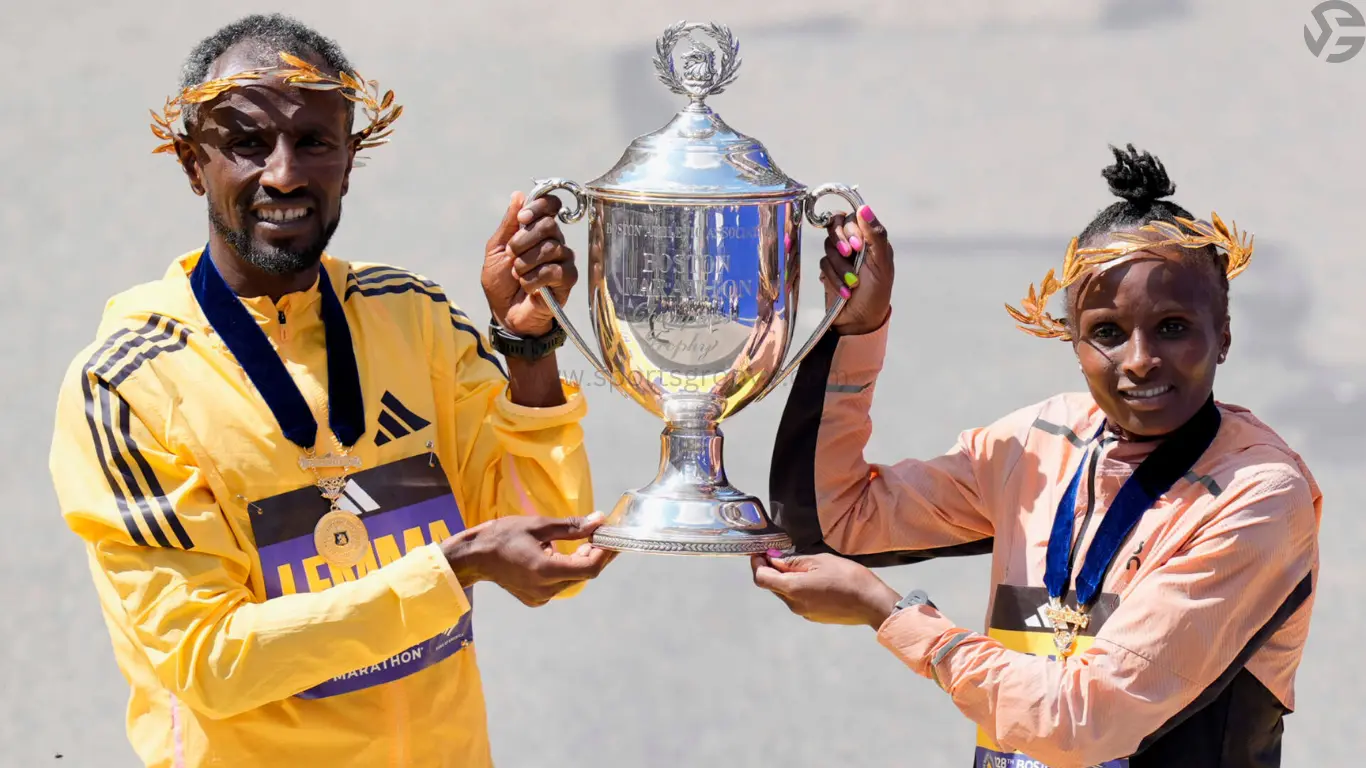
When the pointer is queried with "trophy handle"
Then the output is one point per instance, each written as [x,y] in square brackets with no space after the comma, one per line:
[821,220]
[567,216]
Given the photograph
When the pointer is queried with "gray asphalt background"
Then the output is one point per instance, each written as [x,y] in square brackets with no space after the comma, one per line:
[977,130]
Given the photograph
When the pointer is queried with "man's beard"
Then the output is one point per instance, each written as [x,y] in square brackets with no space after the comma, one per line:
[268,258]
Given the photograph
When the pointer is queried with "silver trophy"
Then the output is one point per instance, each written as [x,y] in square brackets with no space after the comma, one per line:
[693,262]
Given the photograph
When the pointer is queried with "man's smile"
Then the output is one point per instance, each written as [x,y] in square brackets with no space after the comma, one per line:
[281,219]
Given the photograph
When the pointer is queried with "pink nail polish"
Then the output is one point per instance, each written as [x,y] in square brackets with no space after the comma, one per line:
[775,554]
[856,243]
[787,242]
[843,248]
[866,213]
[844,292]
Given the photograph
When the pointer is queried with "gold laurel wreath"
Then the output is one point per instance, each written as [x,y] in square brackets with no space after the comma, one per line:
[1033,318]
[379,108]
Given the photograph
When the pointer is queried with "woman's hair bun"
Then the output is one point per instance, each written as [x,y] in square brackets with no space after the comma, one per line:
[1138,177]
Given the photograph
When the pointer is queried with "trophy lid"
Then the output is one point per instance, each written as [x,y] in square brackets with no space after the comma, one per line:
[696,155]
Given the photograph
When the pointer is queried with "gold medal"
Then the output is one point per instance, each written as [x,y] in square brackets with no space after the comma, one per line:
[1067,625]
[341,538]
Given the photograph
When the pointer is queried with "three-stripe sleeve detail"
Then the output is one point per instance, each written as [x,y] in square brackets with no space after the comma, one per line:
[382,280]
[130,477]
[462,322]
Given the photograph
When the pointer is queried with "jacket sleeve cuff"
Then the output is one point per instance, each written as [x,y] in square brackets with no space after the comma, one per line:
[913,634]
[524,418]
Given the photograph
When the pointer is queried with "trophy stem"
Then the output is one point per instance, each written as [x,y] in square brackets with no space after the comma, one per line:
[691,508]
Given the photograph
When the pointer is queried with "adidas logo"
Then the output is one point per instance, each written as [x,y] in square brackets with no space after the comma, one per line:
[355,500]
[395,420]
[1040,619]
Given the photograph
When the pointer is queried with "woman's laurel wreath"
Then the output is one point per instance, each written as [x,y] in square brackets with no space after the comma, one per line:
[1032,316]
[701,76]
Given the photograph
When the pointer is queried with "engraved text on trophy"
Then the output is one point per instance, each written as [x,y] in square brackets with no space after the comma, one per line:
[684,280]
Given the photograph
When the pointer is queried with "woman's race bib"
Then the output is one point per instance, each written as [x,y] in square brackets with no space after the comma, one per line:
[1019,621]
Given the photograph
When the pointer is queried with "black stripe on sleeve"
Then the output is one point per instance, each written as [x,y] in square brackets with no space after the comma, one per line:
[115,415]
[93,420]
[109,398]
[153,484]
[792,477]
[459,324]
[395,288]
[1166,739]
[108,401]
[792,470]
[380,281]
[377,274]
[136,344]
[176,334]
[377,281]
[457,316]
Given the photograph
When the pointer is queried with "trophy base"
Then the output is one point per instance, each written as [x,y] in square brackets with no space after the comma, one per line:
[690,508]
[661,525]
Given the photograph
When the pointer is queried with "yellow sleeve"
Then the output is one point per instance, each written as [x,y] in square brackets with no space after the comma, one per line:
[171,572]
[508,459]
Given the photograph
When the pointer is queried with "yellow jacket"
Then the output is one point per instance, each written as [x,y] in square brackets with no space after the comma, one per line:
[241,646]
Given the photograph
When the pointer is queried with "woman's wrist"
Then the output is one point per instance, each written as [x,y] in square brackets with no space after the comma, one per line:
[863,328]
[879,604]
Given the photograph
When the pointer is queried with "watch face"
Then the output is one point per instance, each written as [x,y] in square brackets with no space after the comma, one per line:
[917,597]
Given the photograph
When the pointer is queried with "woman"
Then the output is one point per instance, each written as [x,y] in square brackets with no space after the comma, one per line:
[1153,551]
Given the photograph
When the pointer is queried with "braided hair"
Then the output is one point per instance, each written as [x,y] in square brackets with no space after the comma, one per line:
[1140,181]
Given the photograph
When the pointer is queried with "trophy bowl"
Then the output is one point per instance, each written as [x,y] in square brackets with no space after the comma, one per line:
[694,253]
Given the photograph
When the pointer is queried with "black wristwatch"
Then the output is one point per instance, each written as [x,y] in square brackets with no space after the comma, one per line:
[914,597]
[526,347]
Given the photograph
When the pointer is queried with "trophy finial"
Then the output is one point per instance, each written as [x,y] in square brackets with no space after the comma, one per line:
[702,74]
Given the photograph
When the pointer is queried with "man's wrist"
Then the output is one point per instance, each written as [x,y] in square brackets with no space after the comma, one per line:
[535,383]
[462,554]
[526,346]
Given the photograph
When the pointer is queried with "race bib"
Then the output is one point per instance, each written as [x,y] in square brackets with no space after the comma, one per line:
[1019,621]
[403,505]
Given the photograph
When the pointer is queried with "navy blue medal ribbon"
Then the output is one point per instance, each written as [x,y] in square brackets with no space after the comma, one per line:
[1168,462]
[248,343]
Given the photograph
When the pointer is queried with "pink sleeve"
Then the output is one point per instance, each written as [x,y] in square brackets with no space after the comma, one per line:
[825,492]
[1175,632]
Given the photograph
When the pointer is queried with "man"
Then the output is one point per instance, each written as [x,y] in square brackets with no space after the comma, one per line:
[290,470]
